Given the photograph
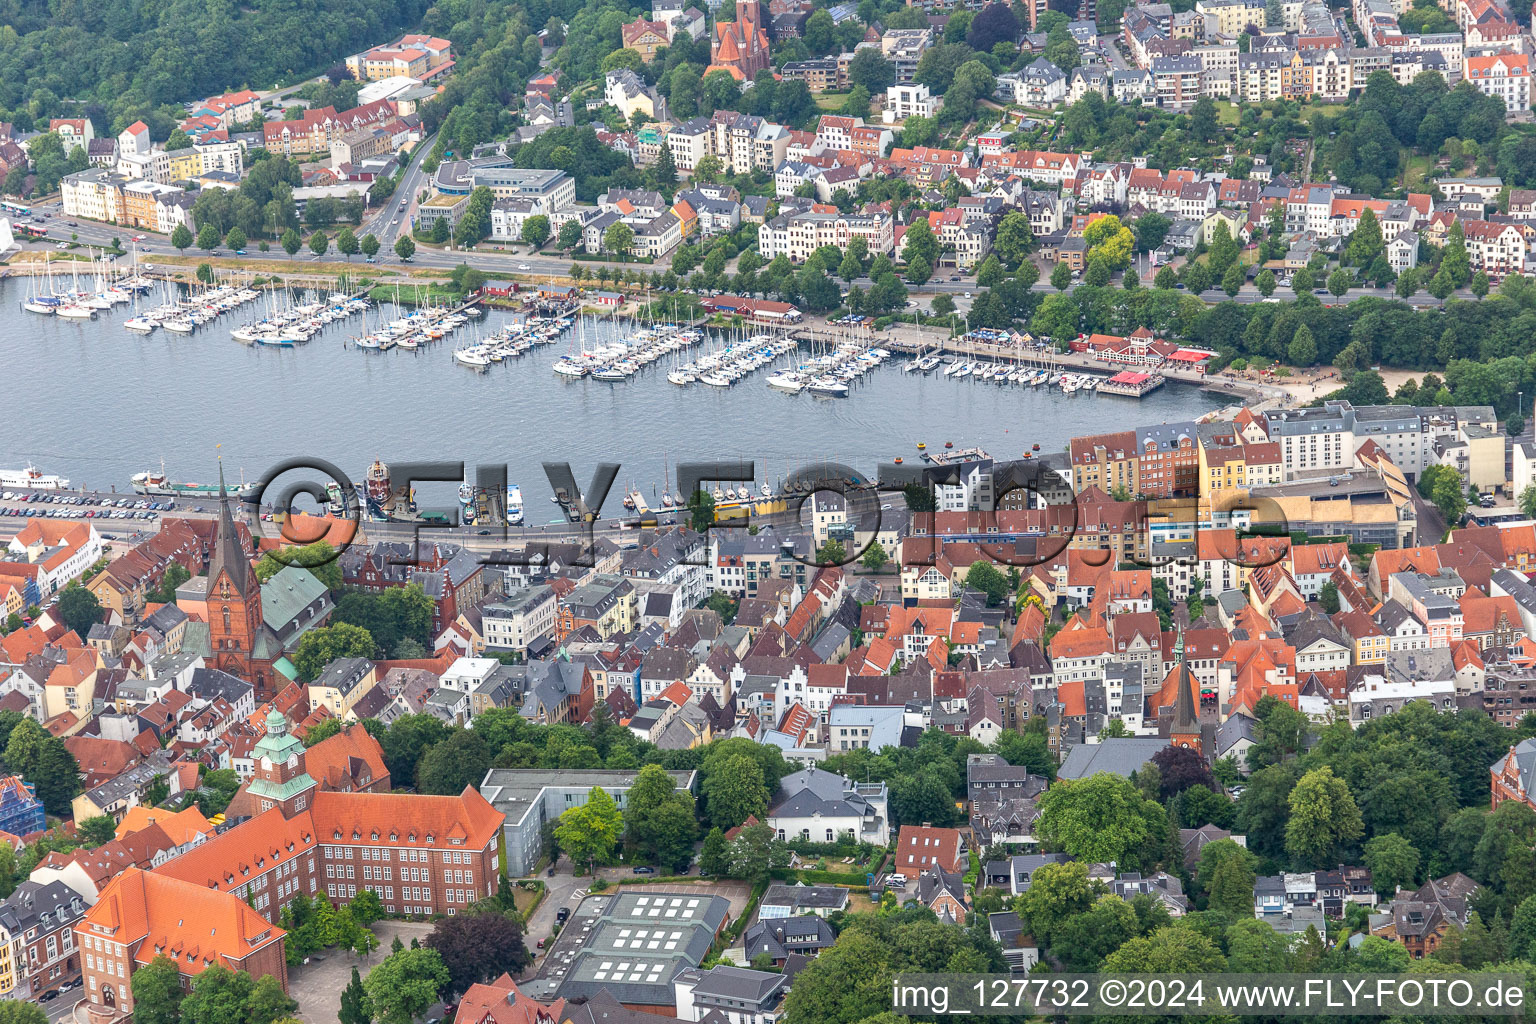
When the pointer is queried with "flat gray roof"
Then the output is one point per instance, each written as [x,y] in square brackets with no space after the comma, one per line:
[513,791]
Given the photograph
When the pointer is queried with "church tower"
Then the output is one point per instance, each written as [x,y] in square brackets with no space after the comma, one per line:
[280,779]
[234,598]
[1186,713]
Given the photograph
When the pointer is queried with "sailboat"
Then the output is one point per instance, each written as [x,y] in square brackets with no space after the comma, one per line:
[36,301]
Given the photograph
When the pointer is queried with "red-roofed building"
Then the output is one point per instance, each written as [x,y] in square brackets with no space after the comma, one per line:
[142,915]
[741,46]
[423,855]
[922,847]
[502,1002]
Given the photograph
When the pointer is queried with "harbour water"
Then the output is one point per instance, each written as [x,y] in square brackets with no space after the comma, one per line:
[95,403]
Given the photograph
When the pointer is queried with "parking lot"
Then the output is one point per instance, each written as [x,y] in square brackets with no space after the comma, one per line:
[61,505]
[317,985]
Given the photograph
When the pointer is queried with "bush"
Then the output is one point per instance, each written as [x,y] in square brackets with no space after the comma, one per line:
[847,846]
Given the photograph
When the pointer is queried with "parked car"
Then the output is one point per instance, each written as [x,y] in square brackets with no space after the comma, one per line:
[644,870]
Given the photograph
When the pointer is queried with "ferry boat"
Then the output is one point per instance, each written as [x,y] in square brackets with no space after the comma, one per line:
[32,478]
[514,505]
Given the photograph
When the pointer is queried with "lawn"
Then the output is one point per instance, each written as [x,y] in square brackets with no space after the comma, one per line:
[832,100]
[526,899]
[1417,168]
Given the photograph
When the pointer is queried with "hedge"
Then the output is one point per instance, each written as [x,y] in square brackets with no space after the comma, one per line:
[847,879]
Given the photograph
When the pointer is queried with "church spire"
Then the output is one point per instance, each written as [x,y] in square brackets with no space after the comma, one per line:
[1186,713]
[228,555]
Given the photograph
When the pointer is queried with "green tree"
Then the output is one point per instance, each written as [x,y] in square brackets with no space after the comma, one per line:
[872,70]
[370,245]
[1101,818]
[701,510]
[181,237]
[1454,259]
[291,242]
[875,557]
[219,996]
[405,984]
[1014,240]
[96,831]
[1110,241]
[319,647]
[1061,277]
[1227,876]
[570,234]
[735,790]
[355,1008]
[346,243]
[831,553]
[1393,862]
[754,853]
[1328,597]
[1302,351]
[1365,242]
[1165,277]
[918,270]
[319,243]
[320,558]
[79,609]
[920,242]
[536,228]
[848,983]
[1442,486]
[459,761]
[1480,284]
[1528,502]
[1057,894]
[1265,282]
[712,855]
[1340,282]
[590,833]
[440,233]
[157,994]
[405,247]
[659,820]
[619,238]
[1232,280]
[266,1004]
[208,237]
[1324,820]
[1169,950]
[235,239]
[14,1011]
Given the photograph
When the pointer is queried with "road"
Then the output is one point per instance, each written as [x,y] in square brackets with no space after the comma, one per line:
[1113,49]
[401,204]
[63,1007]
[382,226]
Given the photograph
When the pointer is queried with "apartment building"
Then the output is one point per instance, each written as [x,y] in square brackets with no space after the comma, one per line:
[798,235]
[414,56]
[1504,76]
[904,47]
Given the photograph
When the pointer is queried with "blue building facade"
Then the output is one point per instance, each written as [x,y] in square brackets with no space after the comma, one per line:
[21,813]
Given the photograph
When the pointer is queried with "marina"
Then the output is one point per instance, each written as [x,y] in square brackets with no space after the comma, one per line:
[322,400]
